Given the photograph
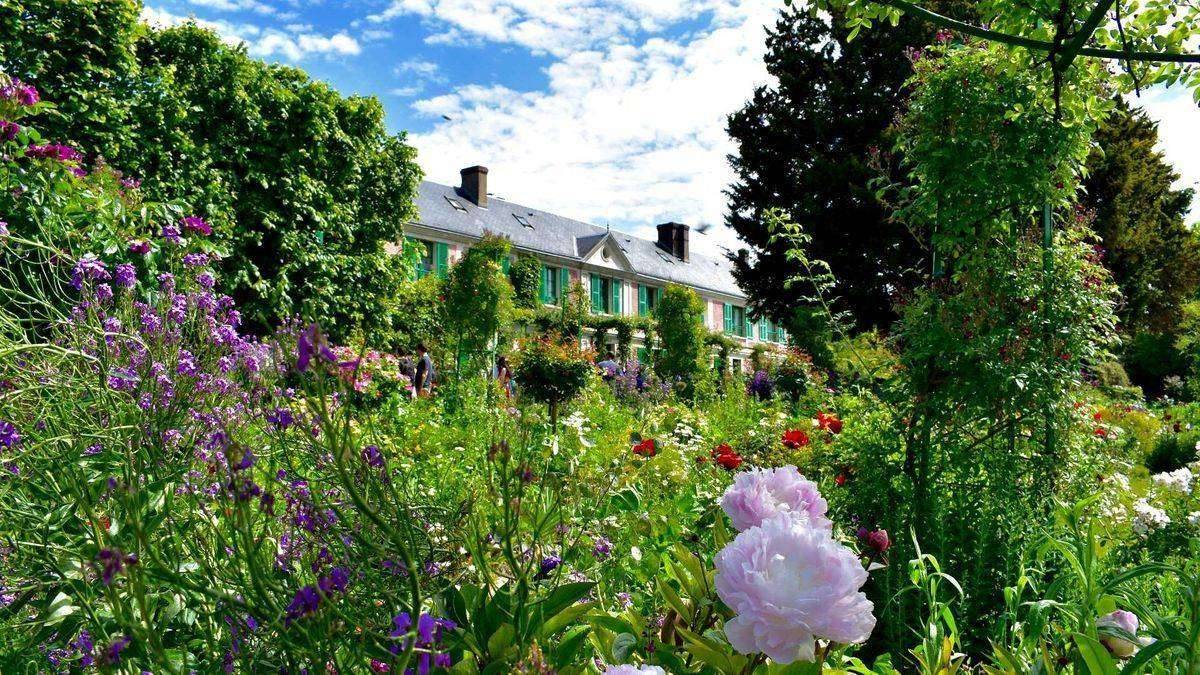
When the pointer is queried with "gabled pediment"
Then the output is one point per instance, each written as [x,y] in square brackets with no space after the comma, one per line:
[603,250]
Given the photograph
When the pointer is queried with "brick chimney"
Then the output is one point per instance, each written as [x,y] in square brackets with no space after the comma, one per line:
[673,238]
[474,185]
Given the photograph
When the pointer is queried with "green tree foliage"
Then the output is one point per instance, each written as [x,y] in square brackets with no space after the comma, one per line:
[82,55]
[478,301]
[421,317]
[680,318]
[804,146]
[525,274]
[1154,256]
[304,187]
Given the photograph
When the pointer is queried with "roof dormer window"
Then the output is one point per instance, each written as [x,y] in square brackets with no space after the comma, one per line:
[456,204]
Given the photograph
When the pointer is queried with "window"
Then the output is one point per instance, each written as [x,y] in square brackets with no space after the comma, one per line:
[735,321]
[456,204]
[606,295]
[555,281]
[648,299]
[435,258]
[523,220]
[769,331]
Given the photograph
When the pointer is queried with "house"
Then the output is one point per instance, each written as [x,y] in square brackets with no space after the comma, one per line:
[625,274]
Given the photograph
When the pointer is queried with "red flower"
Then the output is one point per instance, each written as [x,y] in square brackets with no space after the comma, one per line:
[1101,432]
[1097,416]
[795,439]
[829,422]
[726,457]
[730,461]
[876,540]
[840,480]
[645,448]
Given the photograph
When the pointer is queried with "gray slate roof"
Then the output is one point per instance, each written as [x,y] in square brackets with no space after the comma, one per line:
[566,238]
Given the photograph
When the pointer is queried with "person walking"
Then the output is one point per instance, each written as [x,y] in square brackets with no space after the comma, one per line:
[504,375]
[423,381]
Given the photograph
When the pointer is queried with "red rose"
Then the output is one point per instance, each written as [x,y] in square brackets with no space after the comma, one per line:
[840,480]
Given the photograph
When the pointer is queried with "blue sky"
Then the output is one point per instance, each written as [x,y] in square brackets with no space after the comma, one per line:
[610,111]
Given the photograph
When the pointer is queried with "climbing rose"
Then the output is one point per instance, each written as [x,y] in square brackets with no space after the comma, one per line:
[1126,622]
[760,494]
[791,584]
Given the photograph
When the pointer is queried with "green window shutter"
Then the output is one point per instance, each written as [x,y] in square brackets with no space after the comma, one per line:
[747,326]
[728,318]
[441,263]
[643,301]
[564,283]
[597,295]
[545,290]
[505,264]
[615,307]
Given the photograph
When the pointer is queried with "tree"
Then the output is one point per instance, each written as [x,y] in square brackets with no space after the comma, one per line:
[804,146]
[680,318]
[478,301]
[304,188]
[1153,255]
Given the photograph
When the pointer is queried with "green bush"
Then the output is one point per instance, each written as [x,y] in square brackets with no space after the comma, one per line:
[525,275]
[1172,451]
[680,319]
[552,370]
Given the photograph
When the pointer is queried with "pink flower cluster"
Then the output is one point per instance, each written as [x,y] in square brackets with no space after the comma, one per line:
[785,576]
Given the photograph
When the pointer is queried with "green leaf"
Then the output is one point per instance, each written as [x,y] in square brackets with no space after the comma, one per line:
[501,640]
[623,646]
[1097,658]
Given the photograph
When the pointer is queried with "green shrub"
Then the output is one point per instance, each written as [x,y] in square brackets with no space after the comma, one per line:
[552,370]
[1172,451]
[680,319]
[525,275]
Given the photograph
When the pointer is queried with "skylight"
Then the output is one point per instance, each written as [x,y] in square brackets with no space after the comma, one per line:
[523,220]
[456,204]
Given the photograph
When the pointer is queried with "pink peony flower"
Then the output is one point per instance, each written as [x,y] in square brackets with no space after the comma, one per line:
[1124,622]
[791,584]
[760,494]
[634,670]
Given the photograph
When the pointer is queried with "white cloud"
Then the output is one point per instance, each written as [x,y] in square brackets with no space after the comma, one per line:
[628,134]
[235,6]
[293,43]
[419,67]
[557,27]
[1178,119]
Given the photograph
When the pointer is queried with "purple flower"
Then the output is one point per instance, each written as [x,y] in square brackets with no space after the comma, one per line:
[195,260]
[113,562]
[171,234]
[104,292]
[3,229]
[337,580]
[112,655]
[305,603]
[602,548]
[430,633]
[206,279]
[9,437]
[196,224]
[93,450]
[282,418]
[9,130]
[55,151]
[84,646]
[372,456]
[761,386]
[126,275]
[548,565]
[131,183]
[139,247]
[88,268]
